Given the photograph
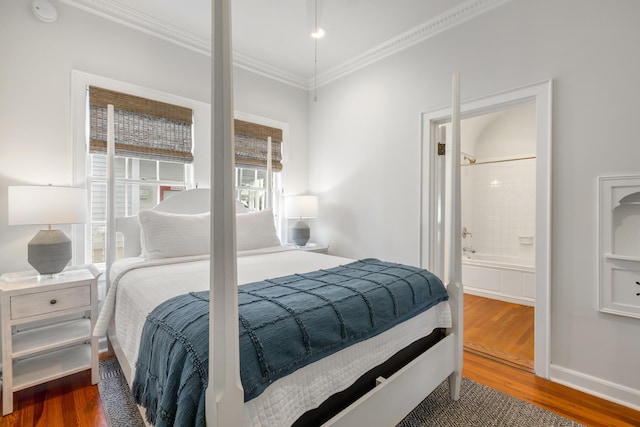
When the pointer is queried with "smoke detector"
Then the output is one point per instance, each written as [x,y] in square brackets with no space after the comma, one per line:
[44,10]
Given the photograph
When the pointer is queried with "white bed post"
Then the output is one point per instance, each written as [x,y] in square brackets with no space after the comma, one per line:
[110,247]
[269,174]
[225,398]
[454,286]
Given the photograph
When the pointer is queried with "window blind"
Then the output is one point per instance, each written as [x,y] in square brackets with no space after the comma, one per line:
[144,128]
[251,145]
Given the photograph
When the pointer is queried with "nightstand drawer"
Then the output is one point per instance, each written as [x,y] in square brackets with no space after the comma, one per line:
[49,302]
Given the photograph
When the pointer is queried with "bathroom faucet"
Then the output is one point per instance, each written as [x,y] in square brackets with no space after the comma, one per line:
[468,249]
[465,233]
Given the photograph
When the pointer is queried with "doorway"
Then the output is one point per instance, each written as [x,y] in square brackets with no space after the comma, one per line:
[498,160]
[434,174]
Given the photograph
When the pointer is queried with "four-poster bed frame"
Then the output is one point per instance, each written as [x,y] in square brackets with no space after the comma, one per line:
[393,397]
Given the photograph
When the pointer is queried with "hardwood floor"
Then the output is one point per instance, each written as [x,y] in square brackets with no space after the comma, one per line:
[499,330]
[73,401]
[67,402]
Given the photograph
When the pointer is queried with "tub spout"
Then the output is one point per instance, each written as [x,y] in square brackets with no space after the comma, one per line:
[468,249]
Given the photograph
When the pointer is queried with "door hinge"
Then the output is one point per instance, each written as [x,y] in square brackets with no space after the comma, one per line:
[441,149]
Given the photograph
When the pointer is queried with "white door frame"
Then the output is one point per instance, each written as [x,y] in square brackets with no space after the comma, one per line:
[431,229]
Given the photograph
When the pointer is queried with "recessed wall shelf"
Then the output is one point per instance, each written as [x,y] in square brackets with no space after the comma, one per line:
[619,245]
[622,257]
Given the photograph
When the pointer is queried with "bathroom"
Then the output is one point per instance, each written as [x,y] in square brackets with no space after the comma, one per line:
[498,186]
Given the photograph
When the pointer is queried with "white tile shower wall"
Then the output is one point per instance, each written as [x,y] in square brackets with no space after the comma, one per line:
[498,207]
[466,208]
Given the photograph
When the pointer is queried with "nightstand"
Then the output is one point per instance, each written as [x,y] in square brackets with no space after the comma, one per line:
[47,326]
[311,247]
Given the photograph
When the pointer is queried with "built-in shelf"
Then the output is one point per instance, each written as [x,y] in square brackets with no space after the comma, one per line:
[622,257]
[619,245]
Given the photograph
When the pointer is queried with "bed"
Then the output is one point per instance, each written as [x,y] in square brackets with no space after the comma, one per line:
[290,399]
[140,283]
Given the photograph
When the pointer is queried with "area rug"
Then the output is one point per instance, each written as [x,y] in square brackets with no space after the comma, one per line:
[115,395]
[478,406]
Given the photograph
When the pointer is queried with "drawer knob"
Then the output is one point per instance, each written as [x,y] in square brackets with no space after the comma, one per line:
[53,301]
[638,294]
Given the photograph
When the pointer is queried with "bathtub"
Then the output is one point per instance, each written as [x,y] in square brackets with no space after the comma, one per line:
[509,279]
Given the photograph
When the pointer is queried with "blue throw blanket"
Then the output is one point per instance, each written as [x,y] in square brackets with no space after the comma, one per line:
[285,324]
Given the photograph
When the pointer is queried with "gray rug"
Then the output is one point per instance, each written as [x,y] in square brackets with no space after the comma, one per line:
[478,406]
[115,395]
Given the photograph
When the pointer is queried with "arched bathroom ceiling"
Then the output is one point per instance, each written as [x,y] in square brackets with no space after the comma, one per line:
[472,127]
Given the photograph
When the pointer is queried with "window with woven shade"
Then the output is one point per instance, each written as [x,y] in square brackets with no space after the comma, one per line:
[144,128]
[251,141]
[153,156]
[251,155]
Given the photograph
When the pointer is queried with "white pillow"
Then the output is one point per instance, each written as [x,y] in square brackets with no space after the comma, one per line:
[168,235]
[255,230]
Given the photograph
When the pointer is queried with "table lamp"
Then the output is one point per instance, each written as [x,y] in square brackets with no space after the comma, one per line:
[49,251]
[300,207]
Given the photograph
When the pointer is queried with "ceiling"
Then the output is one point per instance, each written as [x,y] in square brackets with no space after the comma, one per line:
[274,35]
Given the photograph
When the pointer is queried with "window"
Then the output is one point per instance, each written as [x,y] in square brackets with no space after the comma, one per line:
[153,150]
[251,187]
[140,184]
[252,151]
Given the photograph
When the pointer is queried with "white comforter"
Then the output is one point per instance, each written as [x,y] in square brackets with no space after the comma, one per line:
[136,291]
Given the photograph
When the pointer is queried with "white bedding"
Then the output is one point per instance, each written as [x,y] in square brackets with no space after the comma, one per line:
[140,290]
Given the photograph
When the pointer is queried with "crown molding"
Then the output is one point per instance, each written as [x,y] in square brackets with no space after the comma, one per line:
[450,18]
[256,66]
[117,12]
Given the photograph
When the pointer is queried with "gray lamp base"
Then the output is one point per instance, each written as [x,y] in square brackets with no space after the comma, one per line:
[49,251]
[300,233]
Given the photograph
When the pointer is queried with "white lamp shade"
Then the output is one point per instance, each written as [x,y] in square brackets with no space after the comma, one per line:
[301,206]
[47,204]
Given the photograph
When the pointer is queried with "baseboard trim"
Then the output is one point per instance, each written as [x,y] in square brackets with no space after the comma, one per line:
[604,389]
[497,295]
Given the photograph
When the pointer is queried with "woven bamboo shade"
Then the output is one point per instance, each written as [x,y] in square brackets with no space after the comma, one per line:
[251,145]
[144,128]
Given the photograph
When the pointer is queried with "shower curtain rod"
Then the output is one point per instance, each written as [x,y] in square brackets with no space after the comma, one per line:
[498,161]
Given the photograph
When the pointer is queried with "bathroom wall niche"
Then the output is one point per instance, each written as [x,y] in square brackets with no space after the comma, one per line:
[619,245]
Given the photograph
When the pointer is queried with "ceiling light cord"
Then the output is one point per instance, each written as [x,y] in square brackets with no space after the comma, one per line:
[315,55]
[315,70]
[316,16]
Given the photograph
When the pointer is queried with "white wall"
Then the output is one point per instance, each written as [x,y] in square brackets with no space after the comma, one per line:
[35,93]
[365,142]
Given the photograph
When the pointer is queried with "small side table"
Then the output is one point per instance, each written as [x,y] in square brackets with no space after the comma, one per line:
[47,326]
